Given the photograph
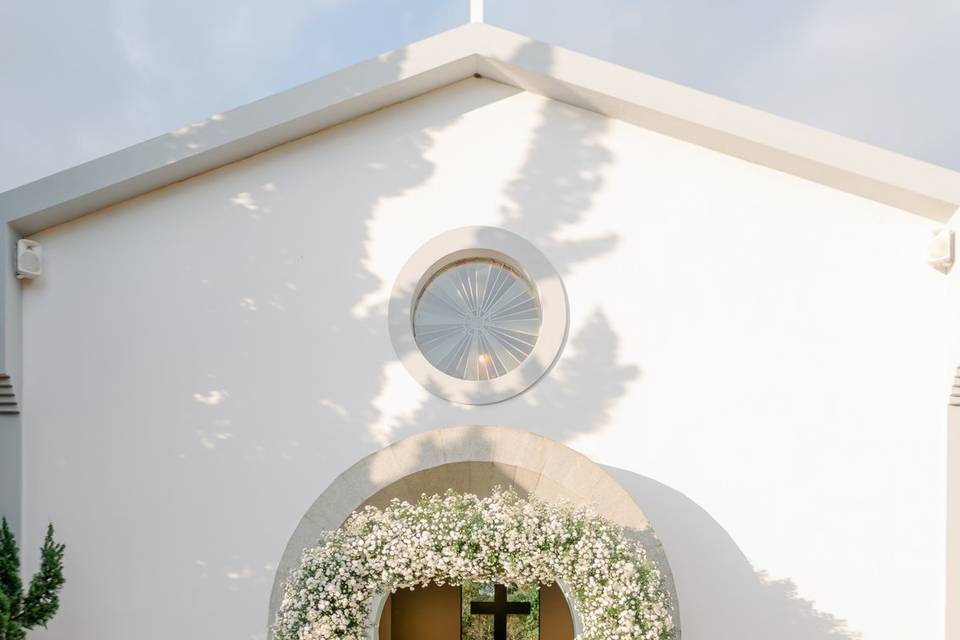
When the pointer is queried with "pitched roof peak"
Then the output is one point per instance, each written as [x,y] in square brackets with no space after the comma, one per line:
[505,57]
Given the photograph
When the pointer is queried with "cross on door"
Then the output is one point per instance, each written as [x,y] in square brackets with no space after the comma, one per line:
[500,609]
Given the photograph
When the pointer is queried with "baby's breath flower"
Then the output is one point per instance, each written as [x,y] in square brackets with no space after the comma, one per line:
[452,538]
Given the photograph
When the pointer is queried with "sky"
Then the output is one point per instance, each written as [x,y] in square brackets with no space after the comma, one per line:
[81,79]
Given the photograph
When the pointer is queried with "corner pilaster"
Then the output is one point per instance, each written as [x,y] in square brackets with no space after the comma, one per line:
[953,510]
[11,431]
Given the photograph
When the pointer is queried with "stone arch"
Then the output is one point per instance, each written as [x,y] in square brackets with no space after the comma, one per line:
[472,459]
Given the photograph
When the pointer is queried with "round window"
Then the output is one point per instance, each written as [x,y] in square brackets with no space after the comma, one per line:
[477,315]
[477,319]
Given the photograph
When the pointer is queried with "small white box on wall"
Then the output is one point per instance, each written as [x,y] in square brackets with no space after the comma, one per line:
[941,254]
[29,259]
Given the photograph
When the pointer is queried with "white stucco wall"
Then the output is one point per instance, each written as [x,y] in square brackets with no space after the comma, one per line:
[759,359]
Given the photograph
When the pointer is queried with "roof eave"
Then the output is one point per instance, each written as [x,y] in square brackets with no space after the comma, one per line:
[242,132]
[566,76]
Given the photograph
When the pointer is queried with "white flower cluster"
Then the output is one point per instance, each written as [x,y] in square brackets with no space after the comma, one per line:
[452,538]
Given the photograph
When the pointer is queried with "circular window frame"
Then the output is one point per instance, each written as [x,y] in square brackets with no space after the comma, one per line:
[487,243]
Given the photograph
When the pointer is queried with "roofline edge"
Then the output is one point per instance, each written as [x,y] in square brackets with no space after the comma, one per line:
[566,76]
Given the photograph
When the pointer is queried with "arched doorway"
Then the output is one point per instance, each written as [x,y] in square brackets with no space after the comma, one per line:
[472,612]
[470,459]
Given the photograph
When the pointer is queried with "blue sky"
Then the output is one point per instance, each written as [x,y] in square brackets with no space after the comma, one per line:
[81,79]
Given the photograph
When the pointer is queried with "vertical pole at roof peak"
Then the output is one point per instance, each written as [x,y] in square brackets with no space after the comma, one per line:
[476,10]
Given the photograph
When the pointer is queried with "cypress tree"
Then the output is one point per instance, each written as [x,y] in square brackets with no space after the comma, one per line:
[19,611]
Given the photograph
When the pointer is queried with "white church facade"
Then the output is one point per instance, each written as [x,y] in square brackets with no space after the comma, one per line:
[483,261]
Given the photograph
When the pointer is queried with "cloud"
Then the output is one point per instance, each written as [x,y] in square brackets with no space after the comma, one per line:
[82,79]
[881,71]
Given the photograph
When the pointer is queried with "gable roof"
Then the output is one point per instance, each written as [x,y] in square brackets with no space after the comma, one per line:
[506,57]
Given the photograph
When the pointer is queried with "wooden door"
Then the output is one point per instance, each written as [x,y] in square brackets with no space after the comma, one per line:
[430,613]
[555,620]
[433,613]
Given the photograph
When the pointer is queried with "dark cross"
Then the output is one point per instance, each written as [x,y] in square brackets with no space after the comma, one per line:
[500,609]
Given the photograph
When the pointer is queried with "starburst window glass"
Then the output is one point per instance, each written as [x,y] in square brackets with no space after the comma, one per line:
[477,319]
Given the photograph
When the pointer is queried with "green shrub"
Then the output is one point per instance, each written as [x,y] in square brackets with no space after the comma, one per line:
[20,611]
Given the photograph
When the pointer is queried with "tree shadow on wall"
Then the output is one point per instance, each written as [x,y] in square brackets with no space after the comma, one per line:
[551,195]
[575,397]
[560,178]
[298,221]
[721,596]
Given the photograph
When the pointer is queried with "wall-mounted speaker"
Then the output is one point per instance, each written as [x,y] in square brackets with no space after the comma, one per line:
[29,259]
[942,251]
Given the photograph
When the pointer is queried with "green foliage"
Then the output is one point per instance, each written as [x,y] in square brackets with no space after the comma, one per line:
[19,612]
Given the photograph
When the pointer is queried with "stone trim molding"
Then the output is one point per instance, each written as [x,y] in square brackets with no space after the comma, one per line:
[530,462]
[478,242]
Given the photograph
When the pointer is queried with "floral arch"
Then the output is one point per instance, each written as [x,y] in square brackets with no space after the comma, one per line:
[473,460]
[618,593]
